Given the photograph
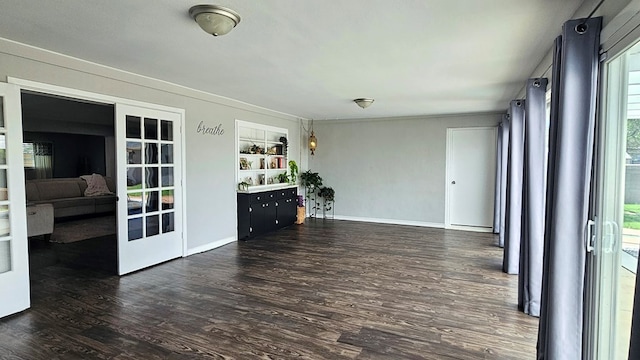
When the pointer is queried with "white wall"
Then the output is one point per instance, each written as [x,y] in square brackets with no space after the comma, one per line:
[210,165]
[389,170]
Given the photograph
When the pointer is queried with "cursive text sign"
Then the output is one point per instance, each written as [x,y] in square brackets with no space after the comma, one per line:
[205,130]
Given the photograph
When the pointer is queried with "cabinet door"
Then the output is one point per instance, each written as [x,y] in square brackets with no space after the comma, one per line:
[271,215]
[244,216]
[287,212]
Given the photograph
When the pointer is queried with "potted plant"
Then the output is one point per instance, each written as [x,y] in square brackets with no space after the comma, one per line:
[283,178]
[285,145]
[243,186]
[328,196]
[312,182]
[293,167]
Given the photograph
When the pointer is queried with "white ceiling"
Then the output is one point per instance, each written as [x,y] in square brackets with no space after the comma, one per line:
[311,58]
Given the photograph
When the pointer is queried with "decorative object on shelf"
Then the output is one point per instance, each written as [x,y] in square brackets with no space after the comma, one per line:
[255,149]
[270,180]
[215,20]
[249,180]
[363,102]
[243,186]
[285,145]
[245,164]
[283,178]
[262,163]
[293,168]
[313,141]
[273,164]
[261,179]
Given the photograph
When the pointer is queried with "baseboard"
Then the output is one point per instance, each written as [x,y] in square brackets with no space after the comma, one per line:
[471,228]
[388,221]
[211,246]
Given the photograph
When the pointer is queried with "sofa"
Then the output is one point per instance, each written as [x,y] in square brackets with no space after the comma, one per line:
[66,195]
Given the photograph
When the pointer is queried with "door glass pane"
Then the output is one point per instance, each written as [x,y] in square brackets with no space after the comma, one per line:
[153,225]
[134,152]
[167,222]
[151,199]
[167,199]
[1,111]
[167,154]
[150,129]
[167,176]
[3,150]
[5,256]
[135,229]
[133,127]
[3,185]
[134,178]
[4,221]
[151,153]
[167,130]
[151,177]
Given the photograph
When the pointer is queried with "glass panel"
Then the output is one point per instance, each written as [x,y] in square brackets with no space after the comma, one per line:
[134,203]
[153,225]
[135,229]
[4,221]
[151,177]
[167,130]
[167,222]
[134,152]
[3,150]
[150,153]
[5,256]
[151,199]
[167,176]
[167,199]
[1,111]
[134,178]
[150,129]
[3,185]
[167,154]
[133,127]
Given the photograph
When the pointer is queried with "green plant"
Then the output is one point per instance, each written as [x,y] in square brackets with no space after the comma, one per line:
[327,193]
[285,144]
[293,167]
[311,181]
[283,178]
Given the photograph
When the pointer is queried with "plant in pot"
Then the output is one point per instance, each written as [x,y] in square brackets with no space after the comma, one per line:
[283,178]
[293,168]
[285,145]
[312,182]
[328,195]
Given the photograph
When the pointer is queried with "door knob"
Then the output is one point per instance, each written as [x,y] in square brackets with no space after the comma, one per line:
[453,182]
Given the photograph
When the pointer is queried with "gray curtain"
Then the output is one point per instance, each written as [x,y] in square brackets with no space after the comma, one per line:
[497,192]
[504,155]
[569,178]
[533,203]
[634,349]
[515,166]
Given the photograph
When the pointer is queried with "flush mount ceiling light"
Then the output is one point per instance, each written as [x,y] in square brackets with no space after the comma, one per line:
[363,102]
[215,20]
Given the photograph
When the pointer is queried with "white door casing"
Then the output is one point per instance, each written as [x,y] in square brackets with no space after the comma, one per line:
[14,259]
[470,178]
[149,168]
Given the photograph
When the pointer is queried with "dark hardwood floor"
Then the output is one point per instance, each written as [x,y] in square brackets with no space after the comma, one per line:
[334,290]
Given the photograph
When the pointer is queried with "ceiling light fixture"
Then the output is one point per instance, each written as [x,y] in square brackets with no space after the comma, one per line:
[363,102]
[215,20]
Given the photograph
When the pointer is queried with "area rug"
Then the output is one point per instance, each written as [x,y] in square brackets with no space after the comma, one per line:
[82,229]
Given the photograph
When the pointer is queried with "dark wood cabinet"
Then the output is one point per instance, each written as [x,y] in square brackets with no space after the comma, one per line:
[266,211]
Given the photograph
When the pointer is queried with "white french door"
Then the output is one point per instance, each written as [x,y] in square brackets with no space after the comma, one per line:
[471,171]
[615,253]
[148,150]
[14,259]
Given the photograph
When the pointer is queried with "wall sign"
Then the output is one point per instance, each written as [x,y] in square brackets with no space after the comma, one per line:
[213,131]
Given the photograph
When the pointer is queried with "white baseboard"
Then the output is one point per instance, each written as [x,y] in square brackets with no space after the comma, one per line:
[388,221]
[470,228]
[211,246]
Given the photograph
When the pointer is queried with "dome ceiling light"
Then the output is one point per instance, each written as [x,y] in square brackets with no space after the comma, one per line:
[215,20]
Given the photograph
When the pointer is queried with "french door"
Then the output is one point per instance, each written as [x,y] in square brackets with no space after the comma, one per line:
[148,150]
[14,261]
[613,264]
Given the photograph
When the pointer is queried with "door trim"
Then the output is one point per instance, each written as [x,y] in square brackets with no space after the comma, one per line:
[113,100]
[447,182]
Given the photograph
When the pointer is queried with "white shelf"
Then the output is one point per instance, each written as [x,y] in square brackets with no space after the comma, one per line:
[266,138]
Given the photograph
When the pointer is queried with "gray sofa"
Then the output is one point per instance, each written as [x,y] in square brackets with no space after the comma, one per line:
[67,197]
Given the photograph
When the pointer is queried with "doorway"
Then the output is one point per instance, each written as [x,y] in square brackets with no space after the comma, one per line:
[471,171]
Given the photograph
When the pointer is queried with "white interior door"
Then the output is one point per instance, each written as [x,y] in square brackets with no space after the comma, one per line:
[148,150]
[14,259]
[471,171]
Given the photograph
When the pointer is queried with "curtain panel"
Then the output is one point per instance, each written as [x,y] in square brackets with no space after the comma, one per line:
[515,166]
[575,75]
[504,158]
[533,203]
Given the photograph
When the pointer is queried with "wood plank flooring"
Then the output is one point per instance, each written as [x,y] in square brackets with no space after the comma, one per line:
[322,290]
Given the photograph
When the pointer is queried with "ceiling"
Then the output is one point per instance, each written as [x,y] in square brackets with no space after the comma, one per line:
[311,58]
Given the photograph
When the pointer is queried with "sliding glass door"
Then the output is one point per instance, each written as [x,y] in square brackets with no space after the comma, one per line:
[615,253]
